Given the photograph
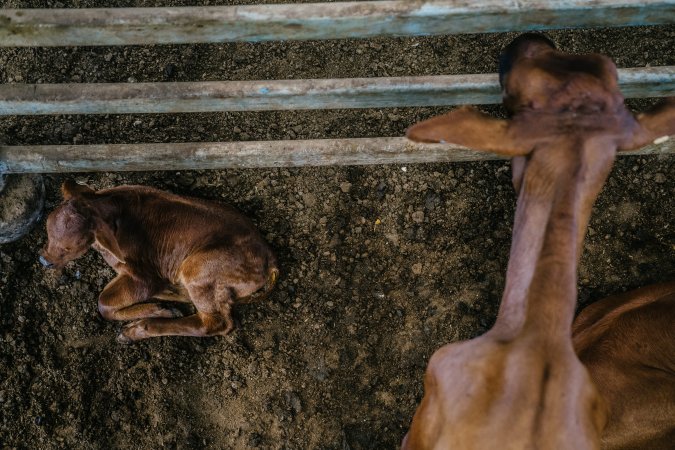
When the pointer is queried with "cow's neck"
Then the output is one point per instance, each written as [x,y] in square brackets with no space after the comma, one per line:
[554,206]
[106,214]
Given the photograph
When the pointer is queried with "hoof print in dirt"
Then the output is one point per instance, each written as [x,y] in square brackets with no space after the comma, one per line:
[22,198]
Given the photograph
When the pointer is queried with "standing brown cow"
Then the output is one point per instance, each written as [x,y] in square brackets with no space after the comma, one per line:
[163,247]
[521,385]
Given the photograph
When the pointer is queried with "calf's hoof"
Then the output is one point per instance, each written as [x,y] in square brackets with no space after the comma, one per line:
[175,313]
[122,339]
[131,332]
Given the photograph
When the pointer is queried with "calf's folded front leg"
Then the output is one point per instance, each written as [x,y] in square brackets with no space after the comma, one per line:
[121,300]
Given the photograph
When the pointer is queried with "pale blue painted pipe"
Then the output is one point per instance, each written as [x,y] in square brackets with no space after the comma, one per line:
[221,155]
[130,26]
[127,98]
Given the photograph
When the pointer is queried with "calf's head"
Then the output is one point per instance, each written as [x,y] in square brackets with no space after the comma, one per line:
[70,229]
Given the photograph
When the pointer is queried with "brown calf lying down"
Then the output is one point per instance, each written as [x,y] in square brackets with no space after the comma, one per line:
[163,247]
[627,343]
[521,385]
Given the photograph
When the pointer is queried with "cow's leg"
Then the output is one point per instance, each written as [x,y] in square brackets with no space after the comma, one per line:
[121,300]
[173,294]
[214,316]
[196,325]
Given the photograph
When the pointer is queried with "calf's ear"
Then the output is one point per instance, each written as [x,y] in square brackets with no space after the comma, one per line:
[70,189]
[654,126]
[470,128]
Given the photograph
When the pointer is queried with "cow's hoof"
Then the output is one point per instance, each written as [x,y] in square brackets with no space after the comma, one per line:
[122,339]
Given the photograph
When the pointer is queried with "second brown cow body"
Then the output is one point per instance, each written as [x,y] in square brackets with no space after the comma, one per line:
[627,342]
[164,247]
[521,385]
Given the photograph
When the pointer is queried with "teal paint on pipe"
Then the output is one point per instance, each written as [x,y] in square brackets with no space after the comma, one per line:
[249,154]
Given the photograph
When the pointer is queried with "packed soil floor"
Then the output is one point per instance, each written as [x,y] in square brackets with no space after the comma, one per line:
[380,265]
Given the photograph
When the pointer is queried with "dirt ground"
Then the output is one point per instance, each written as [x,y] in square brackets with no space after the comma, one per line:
[381,265]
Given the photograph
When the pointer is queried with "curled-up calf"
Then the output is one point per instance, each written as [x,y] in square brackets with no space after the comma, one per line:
[521,385]
[164,248]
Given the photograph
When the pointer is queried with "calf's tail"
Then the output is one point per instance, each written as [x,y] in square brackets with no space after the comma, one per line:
[262,293]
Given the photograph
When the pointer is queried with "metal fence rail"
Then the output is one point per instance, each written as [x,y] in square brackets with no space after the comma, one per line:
[123,98]
[218,155]
[133,26]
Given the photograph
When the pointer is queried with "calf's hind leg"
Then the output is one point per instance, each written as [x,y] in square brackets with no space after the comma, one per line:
[196,325]
[121,300]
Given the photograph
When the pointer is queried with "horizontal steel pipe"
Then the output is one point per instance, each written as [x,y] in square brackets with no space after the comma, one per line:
[213,96]
[365,19]
[220,155]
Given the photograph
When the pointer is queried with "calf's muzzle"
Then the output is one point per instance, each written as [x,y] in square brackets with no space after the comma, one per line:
[46,263]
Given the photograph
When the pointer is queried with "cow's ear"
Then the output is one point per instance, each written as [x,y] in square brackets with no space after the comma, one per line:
[70,189]
[470,128]
[654,126]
